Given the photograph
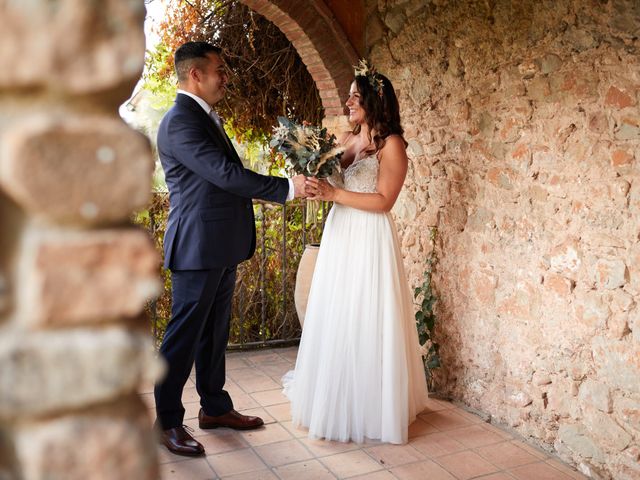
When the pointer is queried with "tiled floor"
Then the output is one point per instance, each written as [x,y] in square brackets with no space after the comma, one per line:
[446,442]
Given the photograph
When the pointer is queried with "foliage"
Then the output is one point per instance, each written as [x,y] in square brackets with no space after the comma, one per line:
[310,150]
[426,317]
[263,304]
[266,75]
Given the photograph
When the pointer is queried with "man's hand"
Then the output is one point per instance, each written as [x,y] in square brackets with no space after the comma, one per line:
[299,186]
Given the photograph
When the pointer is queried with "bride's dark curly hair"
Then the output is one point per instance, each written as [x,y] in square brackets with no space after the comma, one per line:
[382,111]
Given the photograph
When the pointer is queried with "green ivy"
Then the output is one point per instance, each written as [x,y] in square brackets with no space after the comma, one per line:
[426,317]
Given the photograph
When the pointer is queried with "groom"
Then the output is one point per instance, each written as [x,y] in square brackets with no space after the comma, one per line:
[210,230]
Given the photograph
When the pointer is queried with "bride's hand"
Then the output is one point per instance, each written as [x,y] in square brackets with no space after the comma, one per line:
[319,189]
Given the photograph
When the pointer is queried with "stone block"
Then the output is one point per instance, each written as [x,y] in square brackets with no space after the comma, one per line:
[591,311]
[81,170]
[577,439]
[618,98]
[610,273]
[565,258]
[593,394]
[627,466]
[72,45]
[548,63]
[47,372]
[605,430]
[598,122]
[627,412]
[76,278]
[628,129]
[618,325]
[621,159]
[539,89]
[559,285]
[112,442]
[618,362]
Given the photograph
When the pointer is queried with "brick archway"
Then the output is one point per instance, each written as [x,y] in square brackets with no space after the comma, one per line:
[321,44]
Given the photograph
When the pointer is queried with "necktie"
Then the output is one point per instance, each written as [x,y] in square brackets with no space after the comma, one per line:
[216,120]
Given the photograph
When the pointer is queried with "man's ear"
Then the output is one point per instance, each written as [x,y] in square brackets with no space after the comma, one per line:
[195,74]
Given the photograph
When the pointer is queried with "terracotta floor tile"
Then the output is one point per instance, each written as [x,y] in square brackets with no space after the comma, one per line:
[276,370]
[475,436]
[197,431]
[498,431]
[437,445]
[257,384]
[265,357]
[244,401]
[281,412]
[290,354]
[496,476]
[467,464]
[191,410]
[472,417]
[538,471]
[270,397]
[324,448]
[221,440]
[307,470]
[192,469]
[259,412]
[233,463]
[420,427]
[232,388]
[297,432]
[282,453]
[394,455]
[165,456]
[190,394]
[506,455]
[350,464]
[271,433]
[381,475]
[445,420]
[244,373]
[235,361]
[566,469]
[259,475]
[427,470]
[533,450]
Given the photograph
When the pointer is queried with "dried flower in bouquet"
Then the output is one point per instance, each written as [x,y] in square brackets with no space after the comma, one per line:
[309,149]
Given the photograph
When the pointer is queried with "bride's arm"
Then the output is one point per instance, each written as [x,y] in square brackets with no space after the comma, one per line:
[391,175]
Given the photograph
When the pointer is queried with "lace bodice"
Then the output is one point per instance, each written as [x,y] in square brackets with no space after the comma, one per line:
[360,176]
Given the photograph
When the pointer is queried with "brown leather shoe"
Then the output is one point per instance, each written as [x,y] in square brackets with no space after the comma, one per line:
[180,442]
[230,419]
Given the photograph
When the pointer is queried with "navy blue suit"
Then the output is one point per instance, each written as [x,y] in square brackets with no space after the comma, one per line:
[210,230]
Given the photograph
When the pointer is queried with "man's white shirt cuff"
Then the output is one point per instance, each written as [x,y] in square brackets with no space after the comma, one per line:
[292,190]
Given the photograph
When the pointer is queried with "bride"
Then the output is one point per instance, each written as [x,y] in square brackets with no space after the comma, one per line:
[359,372]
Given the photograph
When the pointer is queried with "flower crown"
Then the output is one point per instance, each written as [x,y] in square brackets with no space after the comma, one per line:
[364,70]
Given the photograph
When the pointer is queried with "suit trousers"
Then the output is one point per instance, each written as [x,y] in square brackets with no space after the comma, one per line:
[197,332]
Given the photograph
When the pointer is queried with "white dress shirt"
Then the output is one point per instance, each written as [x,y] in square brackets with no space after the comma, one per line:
[211,112]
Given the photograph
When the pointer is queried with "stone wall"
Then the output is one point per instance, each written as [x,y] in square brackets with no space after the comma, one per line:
[524,132]
[74,275]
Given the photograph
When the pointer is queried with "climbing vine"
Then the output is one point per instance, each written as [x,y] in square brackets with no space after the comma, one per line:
[425,316]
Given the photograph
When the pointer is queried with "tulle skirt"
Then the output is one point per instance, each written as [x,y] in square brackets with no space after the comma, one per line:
[359,372]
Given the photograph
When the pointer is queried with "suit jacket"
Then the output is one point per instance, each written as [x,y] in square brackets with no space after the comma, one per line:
[211,222]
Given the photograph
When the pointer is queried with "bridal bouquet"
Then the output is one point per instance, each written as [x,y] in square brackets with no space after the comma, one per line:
[309,149]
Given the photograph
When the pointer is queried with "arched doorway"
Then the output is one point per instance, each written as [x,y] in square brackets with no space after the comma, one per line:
[322,45]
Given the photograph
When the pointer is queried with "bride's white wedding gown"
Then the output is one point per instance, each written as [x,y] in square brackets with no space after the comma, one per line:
[359,372]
